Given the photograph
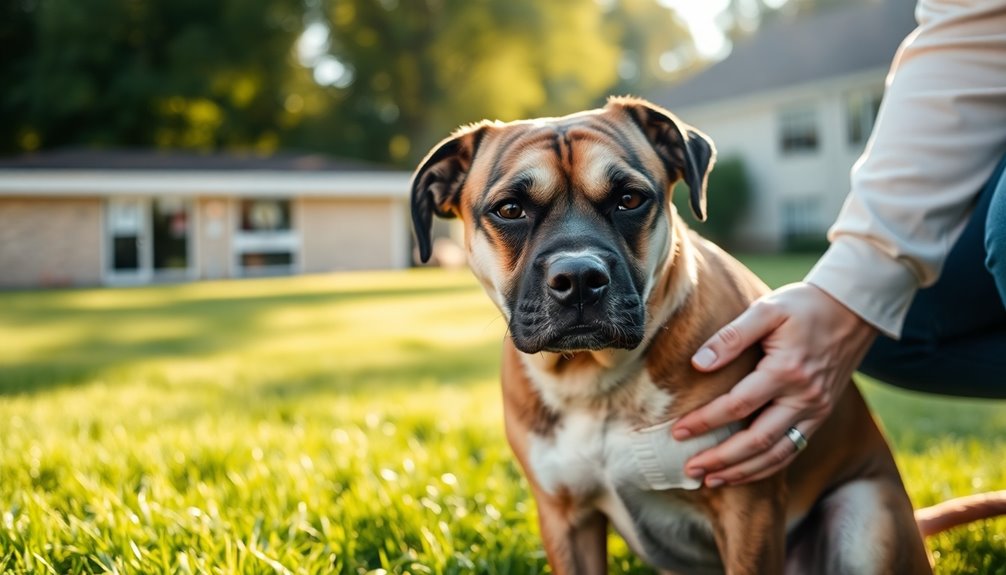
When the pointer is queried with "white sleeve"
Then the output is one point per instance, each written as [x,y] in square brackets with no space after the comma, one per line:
[939,134]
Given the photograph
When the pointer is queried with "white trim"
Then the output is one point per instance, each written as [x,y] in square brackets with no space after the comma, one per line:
[297,225]
[266,241]
[103,260]
[229,215]
[194,241]
[399,236]
[242,183]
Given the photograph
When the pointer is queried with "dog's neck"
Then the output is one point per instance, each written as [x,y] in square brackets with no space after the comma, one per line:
[593,377]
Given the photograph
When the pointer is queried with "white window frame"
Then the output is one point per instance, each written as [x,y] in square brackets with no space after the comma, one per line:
[144,270]
[868,100]
[244,241]
[802,216]
[794,119]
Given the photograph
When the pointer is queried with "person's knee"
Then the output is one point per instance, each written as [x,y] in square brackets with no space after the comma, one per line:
[995,237]
[906,363]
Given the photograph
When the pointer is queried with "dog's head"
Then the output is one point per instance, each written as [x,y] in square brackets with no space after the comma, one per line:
[567,220]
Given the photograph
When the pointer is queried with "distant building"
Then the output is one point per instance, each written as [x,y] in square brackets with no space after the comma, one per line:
[797,101]
[132,217]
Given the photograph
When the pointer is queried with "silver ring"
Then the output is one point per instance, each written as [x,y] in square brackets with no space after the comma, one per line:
[798,439]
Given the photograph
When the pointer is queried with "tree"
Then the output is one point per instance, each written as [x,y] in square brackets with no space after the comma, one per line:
[17,38]
[169,73]
[420,69]
[391,77]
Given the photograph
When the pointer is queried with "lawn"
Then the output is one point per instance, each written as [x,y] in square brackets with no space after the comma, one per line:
[346,423]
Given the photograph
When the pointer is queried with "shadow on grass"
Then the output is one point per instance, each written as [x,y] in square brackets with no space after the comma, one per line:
[106,339]
[913,421]
[456,367]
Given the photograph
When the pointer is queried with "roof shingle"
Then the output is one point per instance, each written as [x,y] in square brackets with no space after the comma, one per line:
[794,51]
[124,159]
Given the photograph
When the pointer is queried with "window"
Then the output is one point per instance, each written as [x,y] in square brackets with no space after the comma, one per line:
[798,130]
[126,233]
[265,215]
[170,230]
[266,259]
[265,242]
[861,109]
[801,217]
[148,238]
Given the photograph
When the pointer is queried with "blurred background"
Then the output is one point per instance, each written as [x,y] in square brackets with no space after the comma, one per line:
[349,422]
[145,140]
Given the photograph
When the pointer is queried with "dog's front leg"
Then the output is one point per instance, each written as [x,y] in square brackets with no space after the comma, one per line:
[576,541]
[751,530]
[575,538]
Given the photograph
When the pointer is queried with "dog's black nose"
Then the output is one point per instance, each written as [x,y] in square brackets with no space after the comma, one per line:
[577,280]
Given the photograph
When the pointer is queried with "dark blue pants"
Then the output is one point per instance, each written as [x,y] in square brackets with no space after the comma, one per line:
[954,339]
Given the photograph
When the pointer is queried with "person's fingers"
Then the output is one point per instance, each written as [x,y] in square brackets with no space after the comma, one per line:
[732,339]
[762,435]
[771,461]
[749,395]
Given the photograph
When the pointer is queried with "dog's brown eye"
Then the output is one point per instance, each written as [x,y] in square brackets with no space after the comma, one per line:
[630,201]
[510,211]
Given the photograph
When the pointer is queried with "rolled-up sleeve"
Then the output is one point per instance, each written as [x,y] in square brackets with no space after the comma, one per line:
[940,132]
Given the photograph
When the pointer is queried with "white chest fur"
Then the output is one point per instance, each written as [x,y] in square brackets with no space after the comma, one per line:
[605,462]
[589,454]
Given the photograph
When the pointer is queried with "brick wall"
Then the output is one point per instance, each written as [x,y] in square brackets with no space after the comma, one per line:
[50,242]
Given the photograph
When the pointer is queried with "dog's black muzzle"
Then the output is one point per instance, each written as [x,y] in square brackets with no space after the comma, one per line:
[577,300]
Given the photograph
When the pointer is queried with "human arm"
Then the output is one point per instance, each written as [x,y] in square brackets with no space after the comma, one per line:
[940,132]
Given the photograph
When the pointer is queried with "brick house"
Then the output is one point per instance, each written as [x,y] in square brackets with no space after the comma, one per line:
[133,217]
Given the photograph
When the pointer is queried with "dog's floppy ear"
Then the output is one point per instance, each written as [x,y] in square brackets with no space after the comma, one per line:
[436,185]
[687,153]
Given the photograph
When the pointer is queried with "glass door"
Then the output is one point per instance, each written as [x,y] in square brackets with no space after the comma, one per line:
[148,239]
[169,218]
[128,245]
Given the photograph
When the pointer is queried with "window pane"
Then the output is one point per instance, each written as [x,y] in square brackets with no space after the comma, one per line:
[266,259]
[798,130]
[125,253]
[801,216]
[861,109]
[170,219]
[263,215]
[857,120]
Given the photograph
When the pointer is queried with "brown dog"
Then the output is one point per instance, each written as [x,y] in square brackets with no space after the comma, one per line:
[607,294]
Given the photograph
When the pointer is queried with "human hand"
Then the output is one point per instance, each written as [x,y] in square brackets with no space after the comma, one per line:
[812,345]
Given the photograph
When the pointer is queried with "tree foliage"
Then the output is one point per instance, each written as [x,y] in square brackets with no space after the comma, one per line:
[169,73]
[234,74]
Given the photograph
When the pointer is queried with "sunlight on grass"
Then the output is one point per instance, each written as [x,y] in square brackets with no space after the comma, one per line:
[343,423]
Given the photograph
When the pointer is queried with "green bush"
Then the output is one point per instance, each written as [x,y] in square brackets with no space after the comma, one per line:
[806,243]
[727,201]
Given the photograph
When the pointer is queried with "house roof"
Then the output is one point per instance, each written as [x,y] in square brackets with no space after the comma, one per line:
[141,159]
[797,50]
[64,173]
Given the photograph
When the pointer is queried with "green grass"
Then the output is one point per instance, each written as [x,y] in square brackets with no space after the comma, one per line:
[344,423]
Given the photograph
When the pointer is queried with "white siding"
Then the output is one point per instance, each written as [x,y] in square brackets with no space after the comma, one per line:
[749,128]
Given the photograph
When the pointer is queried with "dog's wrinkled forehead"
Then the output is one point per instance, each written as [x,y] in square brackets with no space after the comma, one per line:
[580,154]
[629,143]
